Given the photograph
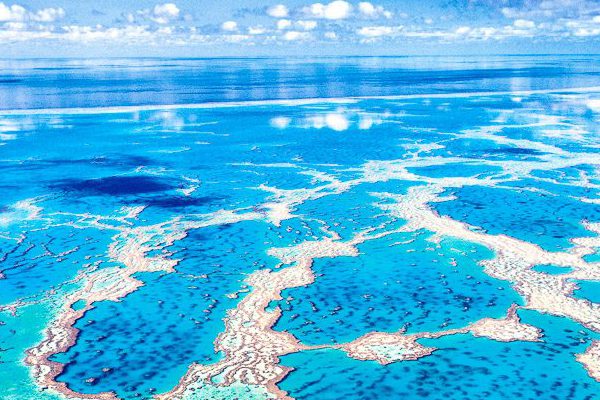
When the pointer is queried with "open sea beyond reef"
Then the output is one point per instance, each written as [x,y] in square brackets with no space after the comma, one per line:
[328,228]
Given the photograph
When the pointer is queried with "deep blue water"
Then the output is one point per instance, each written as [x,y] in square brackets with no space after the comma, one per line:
[55,83]
[534,216]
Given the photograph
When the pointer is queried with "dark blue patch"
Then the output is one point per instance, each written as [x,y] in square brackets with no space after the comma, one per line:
[178,201]
[515,150]
[116,185]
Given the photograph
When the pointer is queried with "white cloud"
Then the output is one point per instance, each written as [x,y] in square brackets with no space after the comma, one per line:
[579,28]
[553,9]
[586,32]
[84,34]
[461,33]
[524,23]
[229,26]
[18,13]
[13,13]
[366,8]
[155,26]
[376,31]
[49,15]
[509,12]
[296,35]
[236,38]
[338,9]
[278,11]
[256,30]
[164,13]
[16,33]
[307,25]
[462,30]
[483,33]
[369,10]
[341,9]
[15,26]
[283,24]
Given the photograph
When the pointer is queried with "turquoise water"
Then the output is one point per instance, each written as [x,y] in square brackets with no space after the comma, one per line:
[551,269]
[546,220]
[463,367]
[37,263]
[589,290]
[78,179]
[119,342]
[391,287]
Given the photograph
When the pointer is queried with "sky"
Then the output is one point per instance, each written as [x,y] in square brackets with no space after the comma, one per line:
[206,28]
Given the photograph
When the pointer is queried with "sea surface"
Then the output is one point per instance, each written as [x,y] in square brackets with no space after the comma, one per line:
[141,198]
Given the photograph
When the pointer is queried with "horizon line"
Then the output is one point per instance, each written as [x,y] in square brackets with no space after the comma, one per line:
[282,102]
[296,56]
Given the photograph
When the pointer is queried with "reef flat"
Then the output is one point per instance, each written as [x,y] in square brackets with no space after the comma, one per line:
[433,246]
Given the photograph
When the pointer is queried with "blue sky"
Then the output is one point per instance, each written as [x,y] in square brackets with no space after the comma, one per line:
[37,28]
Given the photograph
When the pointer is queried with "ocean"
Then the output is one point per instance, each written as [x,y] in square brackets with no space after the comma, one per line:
[320,228]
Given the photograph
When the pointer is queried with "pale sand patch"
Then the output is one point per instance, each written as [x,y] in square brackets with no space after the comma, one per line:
[387,348]
[591,360]
[506,329]
[250,346]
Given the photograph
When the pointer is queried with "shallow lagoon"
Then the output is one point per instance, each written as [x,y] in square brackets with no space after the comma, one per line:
[464,367]
[392,287]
